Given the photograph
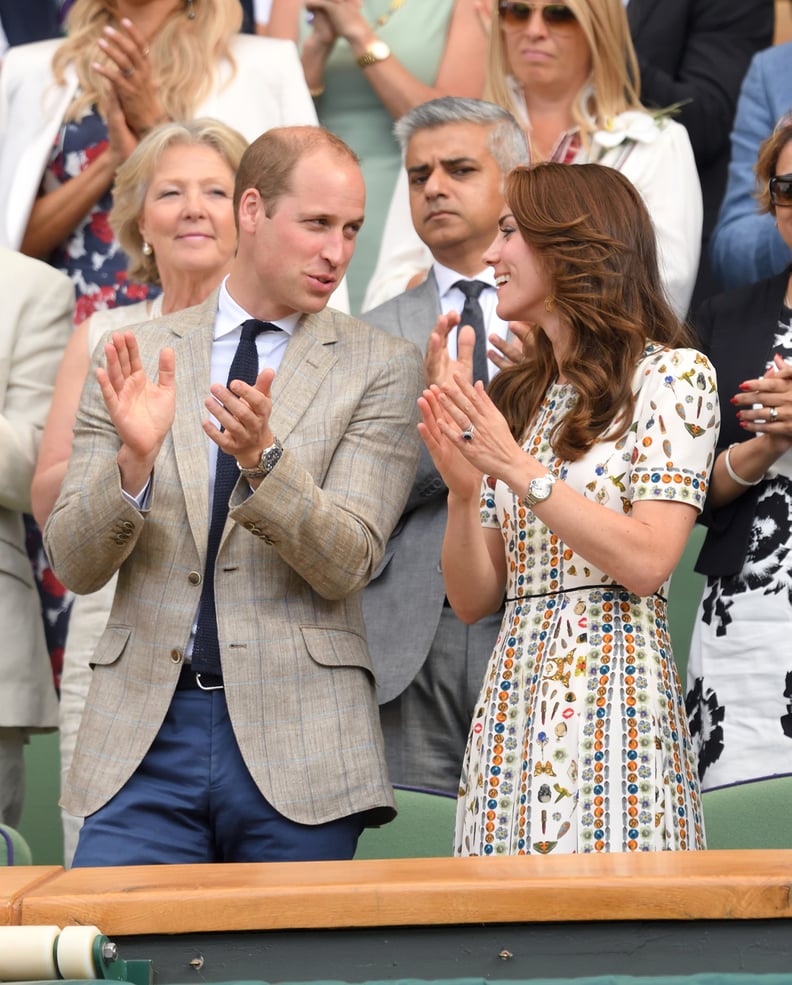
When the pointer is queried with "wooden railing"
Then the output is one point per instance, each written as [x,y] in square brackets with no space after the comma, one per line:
[179,899]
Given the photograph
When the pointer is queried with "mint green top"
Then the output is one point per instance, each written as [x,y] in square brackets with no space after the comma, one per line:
[416,34]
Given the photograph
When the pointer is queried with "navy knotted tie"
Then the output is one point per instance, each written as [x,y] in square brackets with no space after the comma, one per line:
[474,316]
[206,649]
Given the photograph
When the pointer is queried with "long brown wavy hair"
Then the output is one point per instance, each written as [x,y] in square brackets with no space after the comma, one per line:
[591,233]
[185,54]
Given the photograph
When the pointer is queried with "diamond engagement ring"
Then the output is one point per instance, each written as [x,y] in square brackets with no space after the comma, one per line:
[467,434]
[773,413]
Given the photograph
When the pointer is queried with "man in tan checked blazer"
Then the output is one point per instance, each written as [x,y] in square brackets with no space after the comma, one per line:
[277,752]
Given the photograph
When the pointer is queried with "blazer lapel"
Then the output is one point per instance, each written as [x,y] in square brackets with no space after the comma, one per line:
[309,357]
[420,309]
[192,332]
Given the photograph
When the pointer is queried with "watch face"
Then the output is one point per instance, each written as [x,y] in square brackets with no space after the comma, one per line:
[540,488]
[379,50]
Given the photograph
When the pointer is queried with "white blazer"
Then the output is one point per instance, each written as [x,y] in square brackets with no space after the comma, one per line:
[36,310]
[268,90]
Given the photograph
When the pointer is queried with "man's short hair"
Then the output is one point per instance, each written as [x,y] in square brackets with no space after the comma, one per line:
[507,140]
[269,162]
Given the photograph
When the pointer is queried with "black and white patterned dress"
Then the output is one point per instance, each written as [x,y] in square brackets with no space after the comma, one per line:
[739,679]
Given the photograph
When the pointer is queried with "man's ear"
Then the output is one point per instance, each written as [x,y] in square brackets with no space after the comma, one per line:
[251,210]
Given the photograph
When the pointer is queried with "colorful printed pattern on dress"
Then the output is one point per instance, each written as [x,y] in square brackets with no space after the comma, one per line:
[579,742]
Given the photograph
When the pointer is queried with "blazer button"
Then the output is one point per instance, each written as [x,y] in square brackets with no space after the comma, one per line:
[176,656]
[194,578]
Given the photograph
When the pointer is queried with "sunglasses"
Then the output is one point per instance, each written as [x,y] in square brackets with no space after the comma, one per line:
[514,16]
[781,190]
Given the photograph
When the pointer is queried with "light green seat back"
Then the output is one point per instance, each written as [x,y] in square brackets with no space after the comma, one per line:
[423,828]
[756,814]
[684,595]
[14,850]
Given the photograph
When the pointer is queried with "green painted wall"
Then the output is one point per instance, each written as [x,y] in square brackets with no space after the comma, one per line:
[40,824]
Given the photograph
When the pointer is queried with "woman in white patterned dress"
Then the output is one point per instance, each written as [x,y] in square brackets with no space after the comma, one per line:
[573,487]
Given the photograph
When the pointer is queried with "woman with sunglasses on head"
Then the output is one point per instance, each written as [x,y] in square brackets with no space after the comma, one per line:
[574,481]
[740,666]
[568,73]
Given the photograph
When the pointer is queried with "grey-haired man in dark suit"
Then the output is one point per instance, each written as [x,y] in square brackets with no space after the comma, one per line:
[429,665]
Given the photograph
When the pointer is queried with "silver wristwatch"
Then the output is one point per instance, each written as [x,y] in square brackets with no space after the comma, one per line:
[539,489]
[269,459]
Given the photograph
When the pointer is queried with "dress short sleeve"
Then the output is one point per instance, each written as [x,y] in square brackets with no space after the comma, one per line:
[675,426]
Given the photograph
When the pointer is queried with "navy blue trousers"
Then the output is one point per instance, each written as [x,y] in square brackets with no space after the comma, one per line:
[193,800]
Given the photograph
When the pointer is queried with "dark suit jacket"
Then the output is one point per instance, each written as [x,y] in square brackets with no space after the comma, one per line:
[410,571]
[29,20]
[699,50]
[737,331]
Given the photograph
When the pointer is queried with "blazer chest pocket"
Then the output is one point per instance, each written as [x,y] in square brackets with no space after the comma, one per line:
[337,647]
[111,645]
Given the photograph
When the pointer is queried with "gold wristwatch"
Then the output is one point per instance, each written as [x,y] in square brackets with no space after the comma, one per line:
[376,51]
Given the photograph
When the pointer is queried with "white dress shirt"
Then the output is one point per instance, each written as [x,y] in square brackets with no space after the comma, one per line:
[452,299]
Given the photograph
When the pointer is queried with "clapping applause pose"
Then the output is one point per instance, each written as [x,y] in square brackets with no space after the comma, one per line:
[573,485]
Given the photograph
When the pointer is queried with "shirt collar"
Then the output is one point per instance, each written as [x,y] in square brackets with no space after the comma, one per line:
[230,315]
[446,277]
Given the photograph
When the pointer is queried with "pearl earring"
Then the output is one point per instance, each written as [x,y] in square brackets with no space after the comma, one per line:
[147,248]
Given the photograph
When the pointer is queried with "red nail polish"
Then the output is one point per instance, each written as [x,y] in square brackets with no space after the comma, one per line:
[732,400]
[744,386]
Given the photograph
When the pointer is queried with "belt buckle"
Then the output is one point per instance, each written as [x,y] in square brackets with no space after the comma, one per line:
[205,687]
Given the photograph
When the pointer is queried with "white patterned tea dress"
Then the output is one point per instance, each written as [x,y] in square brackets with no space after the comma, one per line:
[579,742]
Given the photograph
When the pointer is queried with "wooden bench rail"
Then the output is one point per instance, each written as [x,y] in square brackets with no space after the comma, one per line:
[15,881]
[181,899]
